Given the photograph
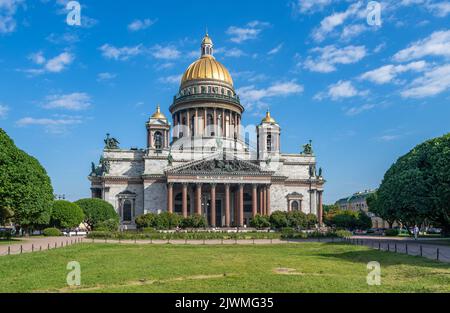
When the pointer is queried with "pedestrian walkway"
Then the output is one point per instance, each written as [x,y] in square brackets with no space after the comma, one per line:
[35,244]
[405,245]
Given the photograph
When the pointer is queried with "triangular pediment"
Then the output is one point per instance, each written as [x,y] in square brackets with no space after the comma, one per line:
[220,165]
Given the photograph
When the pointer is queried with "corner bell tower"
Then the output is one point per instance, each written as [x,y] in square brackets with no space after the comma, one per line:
[158,132]
[268,138]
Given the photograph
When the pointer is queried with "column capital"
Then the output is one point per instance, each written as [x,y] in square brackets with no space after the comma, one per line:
[213,185]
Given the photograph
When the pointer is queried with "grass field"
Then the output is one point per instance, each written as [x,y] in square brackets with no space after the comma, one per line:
[306,267]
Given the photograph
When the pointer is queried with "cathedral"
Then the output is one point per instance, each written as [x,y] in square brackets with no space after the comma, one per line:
[206,162]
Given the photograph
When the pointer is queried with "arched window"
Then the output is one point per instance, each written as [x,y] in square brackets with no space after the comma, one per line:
[294,206]
[269,143]
[127,211]
[158,140]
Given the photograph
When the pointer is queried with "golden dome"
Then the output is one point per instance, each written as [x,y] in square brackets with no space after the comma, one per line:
[207,40]
[158,114]
[207,67]
[268,119]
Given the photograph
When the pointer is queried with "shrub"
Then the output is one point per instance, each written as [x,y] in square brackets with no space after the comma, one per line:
[194,221]
[52,232]
[5,234]
[66,215]
[296,219]
[311,221]
[260,221]
[343,233]
[109,225]
[167,220]
[279,220]
[96,211]
[287,231]
[146,220]
[392,232]
[364,221]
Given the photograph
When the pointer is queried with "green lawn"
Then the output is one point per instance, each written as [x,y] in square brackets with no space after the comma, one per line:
[306,267]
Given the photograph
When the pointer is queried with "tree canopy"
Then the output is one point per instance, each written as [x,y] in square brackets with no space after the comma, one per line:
[97,211]
[26,193]
[417,187]
[66,215]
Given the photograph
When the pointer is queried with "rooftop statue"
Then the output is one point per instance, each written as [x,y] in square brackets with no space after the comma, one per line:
[111,143]
[307,149]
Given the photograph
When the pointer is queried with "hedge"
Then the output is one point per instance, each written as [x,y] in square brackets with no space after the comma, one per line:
[52,232]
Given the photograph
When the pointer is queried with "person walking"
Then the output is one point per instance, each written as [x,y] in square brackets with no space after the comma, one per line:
[416,232]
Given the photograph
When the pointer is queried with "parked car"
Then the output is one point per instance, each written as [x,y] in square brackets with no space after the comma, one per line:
[434,230]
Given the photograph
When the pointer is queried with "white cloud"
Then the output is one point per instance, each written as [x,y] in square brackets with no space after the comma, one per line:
[440,9]
[437,44]
[433,82]
[351,31]
[122,53]
[342,89]
[171,79]
[248,32]
[388,73]
[330,56]
[233,52]
[311,6]
[137,25]
[75,101]
[55,125]
[251,95]
[8,9]
[358,110]
[59,63]
[165,53]
[388,138]
[56,64]
[329,23]
[3,111]
[101,77]
[276,49]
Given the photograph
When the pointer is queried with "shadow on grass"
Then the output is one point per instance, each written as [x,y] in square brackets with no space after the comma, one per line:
[384,257]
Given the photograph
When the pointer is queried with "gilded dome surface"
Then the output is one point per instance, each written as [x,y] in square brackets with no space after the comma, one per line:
[207,67]
[158,114]
[268,119]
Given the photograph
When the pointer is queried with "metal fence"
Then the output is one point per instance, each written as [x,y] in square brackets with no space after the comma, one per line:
[36,247]
[415,249]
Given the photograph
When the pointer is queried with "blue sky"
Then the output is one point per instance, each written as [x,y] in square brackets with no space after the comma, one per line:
[364,94]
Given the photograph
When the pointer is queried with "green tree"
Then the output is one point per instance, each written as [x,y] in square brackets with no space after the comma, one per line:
[279,220]
[26,193]
[296,219]
[364,221]
[97,211]
[260,221]
[417,187]
[66,215]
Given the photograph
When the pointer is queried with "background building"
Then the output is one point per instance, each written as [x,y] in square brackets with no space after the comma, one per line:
[357,202]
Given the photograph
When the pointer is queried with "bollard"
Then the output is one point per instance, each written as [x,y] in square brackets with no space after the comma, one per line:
[379,246]
[421,252]
[56,245]
[395,247]
[32,247]
[48,246]
[21,249]
[437,254]
[40,248]
[389,247]
[406,248]
[9,250]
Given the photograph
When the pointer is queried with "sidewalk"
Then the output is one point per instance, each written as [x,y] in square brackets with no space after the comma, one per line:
[406,245]
[27,245]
